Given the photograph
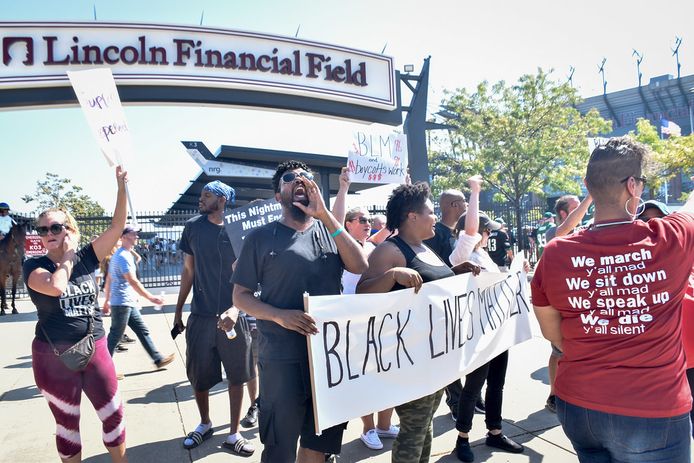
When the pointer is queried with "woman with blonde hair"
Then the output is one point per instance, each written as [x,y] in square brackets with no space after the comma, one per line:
[62,286]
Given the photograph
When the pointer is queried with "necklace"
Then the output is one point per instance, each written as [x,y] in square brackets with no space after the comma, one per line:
[607,224]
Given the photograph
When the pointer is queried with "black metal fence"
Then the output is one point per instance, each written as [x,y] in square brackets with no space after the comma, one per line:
[161,259]
[160,234]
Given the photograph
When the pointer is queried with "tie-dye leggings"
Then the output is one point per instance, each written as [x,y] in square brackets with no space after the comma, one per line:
[63,388]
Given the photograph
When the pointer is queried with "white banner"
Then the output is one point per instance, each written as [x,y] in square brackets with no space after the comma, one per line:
[375,351]
[98,97]
[378,159]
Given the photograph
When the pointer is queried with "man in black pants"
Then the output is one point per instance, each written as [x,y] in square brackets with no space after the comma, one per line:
[305,251]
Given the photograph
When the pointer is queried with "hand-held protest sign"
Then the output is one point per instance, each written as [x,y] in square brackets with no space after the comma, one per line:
[98,96]
[239,222]
[378,159]
[376,351]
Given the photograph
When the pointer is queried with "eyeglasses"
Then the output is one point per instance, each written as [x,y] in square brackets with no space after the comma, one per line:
[290,176]
[643,179]
[362,220]
[55,229]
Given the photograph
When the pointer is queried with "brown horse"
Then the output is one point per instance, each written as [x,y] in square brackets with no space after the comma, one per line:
[11,259]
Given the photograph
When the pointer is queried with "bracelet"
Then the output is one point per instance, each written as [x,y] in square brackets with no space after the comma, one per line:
[337,232]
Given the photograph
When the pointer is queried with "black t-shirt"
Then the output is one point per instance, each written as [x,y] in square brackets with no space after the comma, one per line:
[209,244]
[66,318]
[285,263]
[427,271]
[442,242]
[498,245]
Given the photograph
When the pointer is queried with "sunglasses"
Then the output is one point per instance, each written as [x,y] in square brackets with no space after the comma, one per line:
[290,176]
[55,229]
[643,179]
[362,220]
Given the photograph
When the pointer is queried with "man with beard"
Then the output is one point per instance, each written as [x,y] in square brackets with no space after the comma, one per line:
[305,251]
[207,269]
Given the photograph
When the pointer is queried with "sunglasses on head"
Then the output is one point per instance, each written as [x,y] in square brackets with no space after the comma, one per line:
[290,176]
[55,229]
[362,220]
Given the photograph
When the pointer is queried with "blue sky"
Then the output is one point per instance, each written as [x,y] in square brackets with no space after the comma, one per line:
[468,42]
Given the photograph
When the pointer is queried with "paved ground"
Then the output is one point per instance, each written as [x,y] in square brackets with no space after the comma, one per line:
[160,409]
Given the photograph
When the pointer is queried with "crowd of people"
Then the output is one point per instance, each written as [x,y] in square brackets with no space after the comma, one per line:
[618,369]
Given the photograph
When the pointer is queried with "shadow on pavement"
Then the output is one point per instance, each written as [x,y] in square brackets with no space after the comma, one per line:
[20,365]
[541,374]
[22,393]
[19,317]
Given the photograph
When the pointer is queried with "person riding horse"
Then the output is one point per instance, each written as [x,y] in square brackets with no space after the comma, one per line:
[6,221]
[12,240]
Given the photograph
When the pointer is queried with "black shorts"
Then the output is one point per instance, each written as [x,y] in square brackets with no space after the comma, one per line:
[286,413]
[207,348]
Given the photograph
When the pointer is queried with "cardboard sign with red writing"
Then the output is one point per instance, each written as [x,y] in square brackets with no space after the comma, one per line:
[33,246]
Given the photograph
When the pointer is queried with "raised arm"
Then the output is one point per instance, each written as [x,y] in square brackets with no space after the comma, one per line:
[574,218]
[340,204]
[472,220]
[105,242]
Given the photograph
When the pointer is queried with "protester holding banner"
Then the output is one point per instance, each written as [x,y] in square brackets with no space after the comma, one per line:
[470,245]
[303,252]
[610,298]
[207,269]
[61,285]
[404,261]
[357,224]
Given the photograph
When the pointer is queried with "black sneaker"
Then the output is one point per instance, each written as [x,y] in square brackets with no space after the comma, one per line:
[479,406]
[463,450]
[504,443]
[126,339]
[121,348]
[551,403]
[251,417]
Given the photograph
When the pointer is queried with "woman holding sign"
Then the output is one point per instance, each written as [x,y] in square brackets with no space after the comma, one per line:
[610,297]
[69,352]
[404,261]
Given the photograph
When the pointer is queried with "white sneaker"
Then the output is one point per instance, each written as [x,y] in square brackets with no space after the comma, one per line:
[390,433]
[371,440]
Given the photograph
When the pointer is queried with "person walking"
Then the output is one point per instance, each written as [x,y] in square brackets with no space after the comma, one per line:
[122,289]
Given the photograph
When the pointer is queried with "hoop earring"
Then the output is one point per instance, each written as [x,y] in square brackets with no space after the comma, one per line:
[640,207]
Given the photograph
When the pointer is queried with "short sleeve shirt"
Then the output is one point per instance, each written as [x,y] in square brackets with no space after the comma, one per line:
[619,290]
[286,263]
[66,318]
[442,242]
[211,248]
[498,245]
[122,293]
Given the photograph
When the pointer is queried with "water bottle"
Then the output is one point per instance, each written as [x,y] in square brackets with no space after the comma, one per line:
[231,334]
[158,307]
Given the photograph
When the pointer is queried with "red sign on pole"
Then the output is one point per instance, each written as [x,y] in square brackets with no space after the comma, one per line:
[33,246]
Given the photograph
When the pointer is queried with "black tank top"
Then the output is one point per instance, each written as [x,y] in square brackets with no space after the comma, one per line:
[427,271]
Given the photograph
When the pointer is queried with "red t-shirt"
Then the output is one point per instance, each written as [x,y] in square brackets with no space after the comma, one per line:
[619,290]
[688,322]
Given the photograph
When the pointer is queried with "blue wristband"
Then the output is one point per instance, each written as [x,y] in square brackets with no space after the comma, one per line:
[337,232]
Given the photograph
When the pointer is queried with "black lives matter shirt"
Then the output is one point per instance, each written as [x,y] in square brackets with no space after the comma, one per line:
[285,263]
[66,318]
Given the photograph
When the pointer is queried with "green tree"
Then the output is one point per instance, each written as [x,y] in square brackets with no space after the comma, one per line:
[55,191]
[671,156]
[522,138]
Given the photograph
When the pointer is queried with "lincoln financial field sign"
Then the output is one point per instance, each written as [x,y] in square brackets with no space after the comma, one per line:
[38,55]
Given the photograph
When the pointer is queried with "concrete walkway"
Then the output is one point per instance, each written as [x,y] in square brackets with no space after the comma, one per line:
[160,408]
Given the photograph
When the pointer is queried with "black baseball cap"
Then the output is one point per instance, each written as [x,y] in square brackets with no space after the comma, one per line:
[129,229]
[487,224]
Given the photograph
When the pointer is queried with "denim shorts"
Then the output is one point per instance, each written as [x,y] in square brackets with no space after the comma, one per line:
[601,437]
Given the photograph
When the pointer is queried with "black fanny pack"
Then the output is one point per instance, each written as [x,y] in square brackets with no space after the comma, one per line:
[77,356]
